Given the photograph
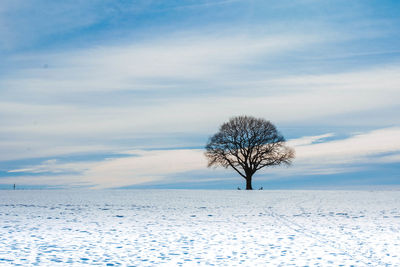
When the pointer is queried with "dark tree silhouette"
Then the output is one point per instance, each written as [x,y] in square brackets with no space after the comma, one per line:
[248,144]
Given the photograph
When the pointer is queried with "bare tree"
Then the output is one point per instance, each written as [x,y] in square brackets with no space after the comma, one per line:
[248,144]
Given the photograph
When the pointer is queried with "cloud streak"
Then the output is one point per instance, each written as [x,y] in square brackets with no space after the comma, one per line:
[149,82]
[351,154]
[313,156]
[101,78]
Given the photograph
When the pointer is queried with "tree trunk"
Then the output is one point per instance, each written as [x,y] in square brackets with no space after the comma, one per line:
[248,183]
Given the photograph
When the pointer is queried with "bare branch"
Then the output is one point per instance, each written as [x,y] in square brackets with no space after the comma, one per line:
[248,144]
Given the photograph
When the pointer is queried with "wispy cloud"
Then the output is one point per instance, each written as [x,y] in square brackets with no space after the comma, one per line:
[306,101]
[102,77]
[351,154]
[353,148]
[28,22]
[144,166]
[78,86]
[51,166]
[322,157]
[308,140]
[159,87]
[147,65]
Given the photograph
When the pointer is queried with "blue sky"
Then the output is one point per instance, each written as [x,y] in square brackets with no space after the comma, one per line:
[124,94]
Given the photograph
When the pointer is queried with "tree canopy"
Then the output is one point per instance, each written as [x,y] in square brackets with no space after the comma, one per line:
[248,144]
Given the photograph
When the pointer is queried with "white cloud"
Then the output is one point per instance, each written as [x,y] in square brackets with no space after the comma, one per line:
[52,166]
[330,157]
[352,149]
[185,82]
[145,166]
[307,140]
[193,82]
[389,159]
[24,147]
[33,103]
[344,155]
[140,66]
[148,166]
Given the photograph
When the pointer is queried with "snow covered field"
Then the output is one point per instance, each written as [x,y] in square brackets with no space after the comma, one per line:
[183,227]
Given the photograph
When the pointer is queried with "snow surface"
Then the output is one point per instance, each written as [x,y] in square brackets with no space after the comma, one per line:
[184,227]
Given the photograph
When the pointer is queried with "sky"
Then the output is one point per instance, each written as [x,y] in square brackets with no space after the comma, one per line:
[125,94]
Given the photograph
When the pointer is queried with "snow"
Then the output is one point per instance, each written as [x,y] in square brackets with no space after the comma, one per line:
[194,227]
